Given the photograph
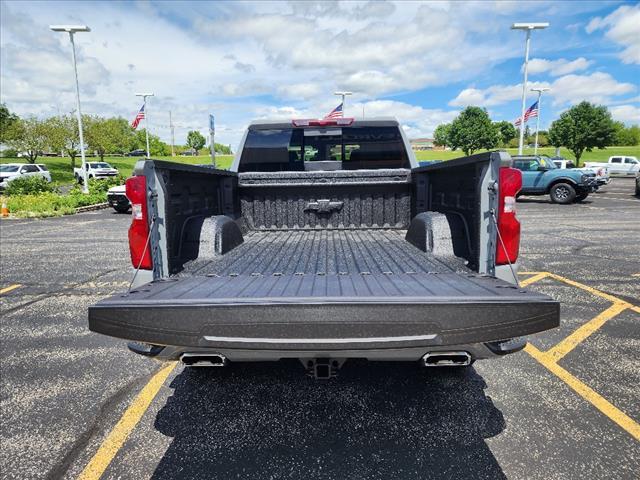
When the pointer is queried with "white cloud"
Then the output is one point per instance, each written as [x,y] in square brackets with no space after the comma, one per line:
[598,87]
[494,95]
[622,27]
[558,67]
[629,114]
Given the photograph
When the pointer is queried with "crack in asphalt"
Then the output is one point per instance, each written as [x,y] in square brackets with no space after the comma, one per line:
[81,443]
[56,293]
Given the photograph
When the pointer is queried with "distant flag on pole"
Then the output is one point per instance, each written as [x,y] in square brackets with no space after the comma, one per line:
[531,112]
[335,113]
[138,119]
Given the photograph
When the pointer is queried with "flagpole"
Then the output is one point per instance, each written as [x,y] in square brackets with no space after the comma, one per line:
[173,138]
[342,95]
[539,90]
[146,117]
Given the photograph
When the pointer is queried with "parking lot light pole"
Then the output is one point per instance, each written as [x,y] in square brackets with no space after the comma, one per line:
[527,27]
[342,95]
[539,90]
[71,29]
[146,117]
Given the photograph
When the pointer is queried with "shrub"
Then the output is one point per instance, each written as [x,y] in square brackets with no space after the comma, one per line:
[28,186]
[9,153]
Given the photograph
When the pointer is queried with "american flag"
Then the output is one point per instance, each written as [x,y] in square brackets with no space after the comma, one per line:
[531,112]
[335,113]
[139,117]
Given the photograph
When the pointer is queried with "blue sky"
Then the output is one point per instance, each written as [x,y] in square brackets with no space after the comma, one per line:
[419,61]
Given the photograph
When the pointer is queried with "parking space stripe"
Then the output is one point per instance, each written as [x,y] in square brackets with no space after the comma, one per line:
[115,440]
[612,412]
[537,277]
[9,288]
[589,289]
[579,335]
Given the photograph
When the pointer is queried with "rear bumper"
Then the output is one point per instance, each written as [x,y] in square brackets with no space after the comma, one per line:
[117,200]
[317,328]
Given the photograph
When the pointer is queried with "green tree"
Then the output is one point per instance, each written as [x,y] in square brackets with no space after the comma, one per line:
[195,140]
[29,136]
[626,136]
[223,149]
[62,133]
[109,135]
[441,135]
[472,130]
[156,146]
[583,127]
[507,132]
[8,122]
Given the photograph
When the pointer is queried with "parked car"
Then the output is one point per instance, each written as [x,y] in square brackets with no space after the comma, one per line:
[540,176]
[117,198]
[98,170]
[140,152]
[11,171]
[189,153]
[293,255]
[602,172]
[619,165]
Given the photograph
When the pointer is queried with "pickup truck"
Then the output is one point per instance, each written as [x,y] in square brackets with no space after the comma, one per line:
[325,242]
[601,171]
[618,165]
[12,171]
[99,170]
[540,176]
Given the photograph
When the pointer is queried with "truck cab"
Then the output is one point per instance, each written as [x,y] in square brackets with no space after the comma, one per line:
[540,176]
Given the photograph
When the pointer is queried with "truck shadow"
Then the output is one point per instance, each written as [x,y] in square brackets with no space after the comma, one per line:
[374,421]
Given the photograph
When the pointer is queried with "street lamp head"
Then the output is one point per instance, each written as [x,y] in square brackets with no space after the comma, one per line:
[343,93]
[144,94]
[529,26]
[540,89]
[69,28]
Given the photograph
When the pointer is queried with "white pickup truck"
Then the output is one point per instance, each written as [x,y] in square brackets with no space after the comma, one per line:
[618,165]
[99,170]
[601,170]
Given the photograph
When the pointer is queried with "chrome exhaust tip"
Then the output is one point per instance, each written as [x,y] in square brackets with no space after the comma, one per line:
[203,359]
[446,359]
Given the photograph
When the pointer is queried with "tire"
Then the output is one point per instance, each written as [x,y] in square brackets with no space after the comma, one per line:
[562,193]
[581,197]
[79,180]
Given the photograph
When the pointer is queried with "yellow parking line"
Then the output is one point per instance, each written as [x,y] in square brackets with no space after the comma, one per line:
[115,440]
[9,288]
[537,277]
[579,335]
[613,413]
[589,289]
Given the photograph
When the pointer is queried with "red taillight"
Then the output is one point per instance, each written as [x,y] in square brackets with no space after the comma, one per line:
[510,184]
[307,122]
[139,229]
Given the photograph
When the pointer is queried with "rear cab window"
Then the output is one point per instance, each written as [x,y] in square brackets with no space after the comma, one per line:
[323,148]
[616,160]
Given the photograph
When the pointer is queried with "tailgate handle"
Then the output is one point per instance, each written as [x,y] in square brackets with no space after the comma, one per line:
[323,206]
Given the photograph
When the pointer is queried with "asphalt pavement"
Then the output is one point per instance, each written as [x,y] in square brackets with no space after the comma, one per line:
[567,407]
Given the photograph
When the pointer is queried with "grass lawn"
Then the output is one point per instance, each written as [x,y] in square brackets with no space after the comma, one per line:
[596,155]
[61,171]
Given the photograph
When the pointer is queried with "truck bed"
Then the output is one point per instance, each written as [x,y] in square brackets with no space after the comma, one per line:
[322,288]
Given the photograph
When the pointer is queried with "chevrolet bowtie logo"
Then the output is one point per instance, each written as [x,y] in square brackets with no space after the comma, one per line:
[324,206]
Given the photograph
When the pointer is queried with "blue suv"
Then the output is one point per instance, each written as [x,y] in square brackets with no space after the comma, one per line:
[540,176]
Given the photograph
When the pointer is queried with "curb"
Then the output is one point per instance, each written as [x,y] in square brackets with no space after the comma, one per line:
[90,208]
